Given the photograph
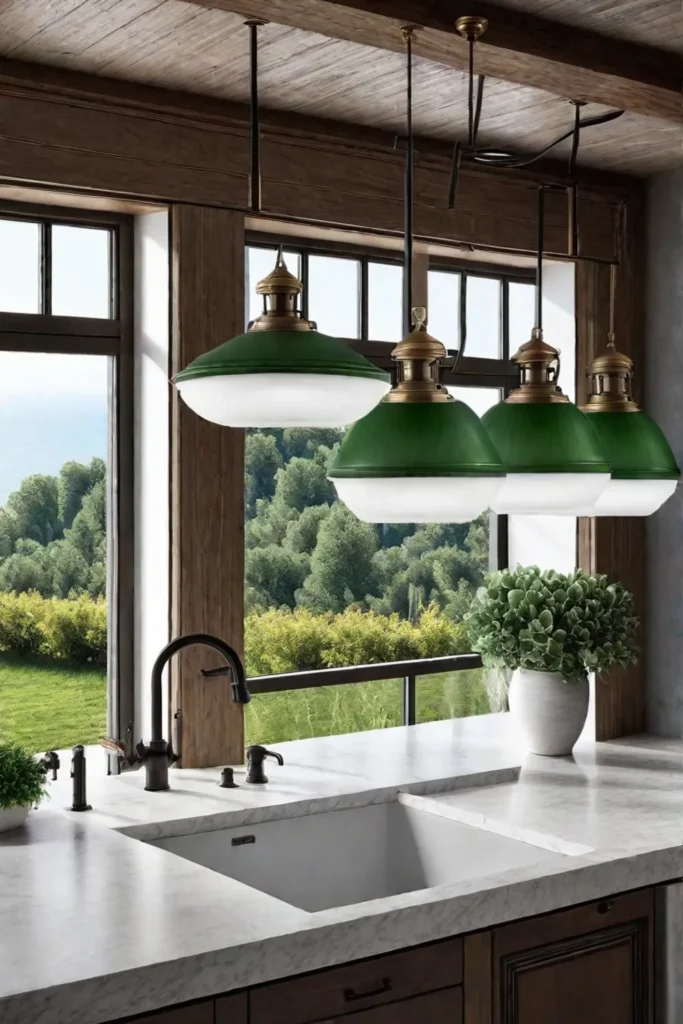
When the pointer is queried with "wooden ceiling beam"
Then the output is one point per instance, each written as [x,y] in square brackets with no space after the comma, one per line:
[571,62]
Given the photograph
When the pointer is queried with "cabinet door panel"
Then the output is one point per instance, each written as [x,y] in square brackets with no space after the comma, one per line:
[232,1009]
[588,965]
[444,1007]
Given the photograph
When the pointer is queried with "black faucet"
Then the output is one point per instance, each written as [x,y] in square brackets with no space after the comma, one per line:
[256,755]
[79,802]
[159,754]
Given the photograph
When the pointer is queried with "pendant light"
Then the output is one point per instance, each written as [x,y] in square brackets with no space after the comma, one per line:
[549,448]
[281,372]
[420,455]
[644,470]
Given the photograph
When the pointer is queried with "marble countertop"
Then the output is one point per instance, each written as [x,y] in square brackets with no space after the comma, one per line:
[96,924]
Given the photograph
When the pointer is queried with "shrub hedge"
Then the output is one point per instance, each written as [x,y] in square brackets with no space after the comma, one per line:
[74,630]
[278,640]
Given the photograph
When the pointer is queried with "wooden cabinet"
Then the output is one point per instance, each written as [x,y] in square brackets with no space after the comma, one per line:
[592,964]
[588,965]
[329,995]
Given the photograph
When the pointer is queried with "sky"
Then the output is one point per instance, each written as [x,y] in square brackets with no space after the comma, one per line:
[52,407]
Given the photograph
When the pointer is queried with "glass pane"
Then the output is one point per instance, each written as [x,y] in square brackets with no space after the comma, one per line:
[453,695]
[478,399]
[19,267]
[334,295]
[260,262]
[323,711]
[522,313]
[53,549]
[483,317]
[443,296]
[385,310]
[323,589]
[81,271]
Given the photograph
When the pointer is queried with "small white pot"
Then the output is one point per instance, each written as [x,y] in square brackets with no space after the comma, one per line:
[548,711]
[13,817]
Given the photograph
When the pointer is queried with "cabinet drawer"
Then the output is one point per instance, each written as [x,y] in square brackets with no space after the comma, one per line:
[327,995]
[444,1007]
[197,1013]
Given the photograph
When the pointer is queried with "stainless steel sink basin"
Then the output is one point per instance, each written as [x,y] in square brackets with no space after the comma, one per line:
[335,858]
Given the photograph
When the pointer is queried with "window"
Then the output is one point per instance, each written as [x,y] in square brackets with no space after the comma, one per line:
[341,616]
[65,477]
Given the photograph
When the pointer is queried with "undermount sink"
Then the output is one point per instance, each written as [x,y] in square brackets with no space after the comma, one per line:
[336,858]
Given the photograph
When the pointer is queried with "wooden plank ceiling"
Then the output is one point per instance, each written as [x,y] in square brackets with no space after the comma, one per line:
[201,49]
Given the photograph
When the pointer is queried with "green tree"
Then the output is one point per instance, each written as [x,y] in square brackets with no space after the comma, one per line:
[342,570]
[73,484]
[89,529]
[262,461]
[36,508]
[304,442]
[71,571]
[270,522]
[273,575]
[304,482]
[29,568]
[9,532]
[302,533]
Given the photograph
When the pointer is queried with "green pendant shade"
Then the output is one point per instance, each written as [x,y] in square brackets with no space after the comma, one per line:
[282,372]
[634,446]
[545,438]
[404,439]
[282,351]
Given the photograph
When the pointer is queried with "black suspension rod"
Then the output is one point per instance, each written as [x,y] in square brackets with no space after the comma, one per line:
[539,257]
[408,198]
[255,176]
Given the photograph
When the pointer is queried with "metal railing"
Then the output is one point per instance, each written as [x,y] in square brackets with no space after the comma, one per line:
[408,671]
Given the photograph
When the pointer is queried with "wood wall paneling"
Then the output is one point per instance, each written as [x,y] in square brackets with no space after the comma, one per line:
[207,542]
[329,175]
[615,546]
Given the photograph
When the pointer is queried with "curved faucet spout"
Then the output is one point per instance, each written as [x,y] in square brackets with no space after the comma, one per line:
[159,754]
[240,691]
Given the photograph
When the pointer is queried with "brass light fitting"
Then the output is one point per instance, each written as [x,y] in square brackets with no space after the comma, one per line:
[611,374]
[419,357]
[471,27]
[539,368]
[280,290]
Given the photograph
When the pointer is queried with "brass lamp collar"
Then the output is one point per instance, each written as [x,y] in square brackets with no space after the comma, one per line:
[610,376]
[539,368]
[419,357]
[280,290]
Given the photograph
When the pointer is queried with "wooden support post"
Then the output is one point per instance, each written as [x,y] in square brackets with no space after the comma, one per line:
[207,482]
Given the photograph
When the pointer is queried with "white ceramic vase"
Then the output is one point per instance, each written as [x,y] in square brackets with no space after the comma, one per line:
[13,817]
[548,711]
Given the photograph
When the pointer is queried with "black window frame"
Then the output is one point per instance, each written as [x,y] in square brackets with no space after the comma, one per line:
[472,371]
[46,333]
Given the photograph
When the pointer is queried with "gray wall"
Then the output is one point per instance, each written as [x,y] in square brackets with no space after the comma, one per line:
[664,401]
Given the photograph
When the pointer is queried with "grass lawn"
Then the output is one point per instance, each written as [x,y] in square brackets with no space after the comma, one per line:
[44,705]
[329,710]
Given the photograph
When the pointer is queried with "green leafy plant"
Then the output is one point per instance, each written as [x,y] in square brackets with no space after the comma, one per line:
[552,622]
[22,778]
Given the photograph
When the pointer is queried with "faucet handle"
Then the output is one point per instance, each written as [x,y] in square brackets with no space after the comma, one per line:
[51,763]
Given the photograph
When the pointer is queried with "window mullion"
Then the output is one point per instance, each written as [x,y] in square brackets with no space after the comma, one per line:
[46,268]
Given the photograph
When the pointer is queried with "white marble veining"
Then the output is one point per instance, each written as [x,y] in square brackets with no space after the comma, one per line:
[96,925]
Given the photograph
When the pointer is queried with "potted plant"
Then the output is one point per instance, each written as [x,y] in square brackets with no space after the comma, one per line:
[22,784]
[552,629]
